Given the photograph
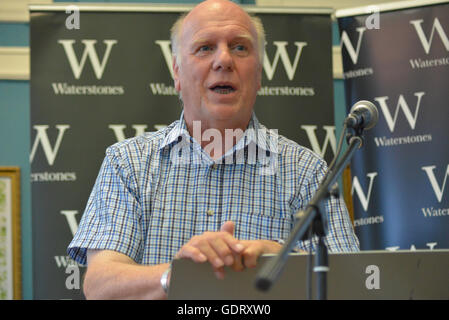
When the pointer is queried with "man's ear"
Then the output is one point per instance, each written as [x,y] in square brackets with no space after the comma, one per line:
[176,74]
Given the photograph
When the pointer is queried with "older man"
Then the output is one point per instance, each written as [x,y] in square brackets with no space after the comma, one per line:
[146,209]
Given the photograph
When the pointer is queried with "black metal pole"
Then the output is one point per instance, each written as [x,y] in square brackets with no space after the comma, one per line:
[273,267]
[321,269]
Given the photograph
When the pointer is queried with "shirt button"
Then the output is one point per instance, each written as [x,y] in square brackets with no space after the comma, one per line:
[210,212]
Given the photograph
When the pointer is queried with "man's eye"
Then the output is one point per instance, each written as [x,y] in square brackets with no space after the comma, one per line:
[204,48]
[240,47]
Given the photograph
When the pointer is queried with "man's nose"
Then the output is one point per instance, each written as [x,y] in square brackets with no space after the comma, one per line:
[223,59]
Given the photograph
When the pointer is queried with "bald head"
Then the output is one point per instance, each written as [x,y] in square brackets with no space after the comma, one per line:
[215,9]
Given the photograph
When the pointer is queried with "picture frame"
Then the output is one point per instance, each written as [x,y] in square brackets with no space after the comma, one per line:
[10,234]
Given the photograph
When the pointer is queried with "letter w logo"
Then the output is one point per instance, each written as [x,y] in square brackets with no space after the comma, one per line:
[402,104]
[89,51]
[422,37]
[71,220]
[330,139]
[165,46]
[353,53]
[281,53]
[42,137]
[433,181]
[364,199]
[119,130]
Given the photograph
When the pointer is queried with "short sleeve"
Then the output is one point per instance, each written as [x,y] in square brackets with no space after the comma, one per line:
[111,220]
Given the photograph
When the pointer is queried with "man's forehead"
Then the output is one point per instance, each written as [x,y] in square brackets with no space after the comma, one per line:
[218,14]
[231,34]
[216,8]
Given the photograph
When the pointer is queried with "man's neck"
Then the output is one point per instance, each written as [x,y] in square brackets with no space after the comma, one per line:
[218,137]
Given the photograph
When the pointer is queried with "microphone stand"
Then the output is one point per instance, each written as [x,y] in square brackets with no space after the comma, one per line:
[315,217]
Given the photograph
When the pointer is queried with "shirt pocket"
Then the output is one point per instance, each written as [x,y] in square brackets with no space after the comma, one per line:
[256,226]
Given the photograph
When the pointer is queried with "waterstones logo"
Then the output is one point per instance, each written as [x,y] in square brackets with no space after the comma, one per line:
[427,41]
[51,153]
[78,65]
[139,129]
[281,53]
[429,245]
[329,140]
[428,63]
[401,105]
[438,190]
[62,88]
[43,140]
[368,221]
[434,212]
[347,44]
[389,142]
[281,57]
[160,89]
[353,53]
[53,176]
[364,198]
[65,261]
[90,53]
[71,267]
[393,118]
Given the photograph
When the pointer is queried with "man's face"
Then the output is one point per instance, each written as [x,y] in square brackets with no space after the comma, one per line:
[219,73]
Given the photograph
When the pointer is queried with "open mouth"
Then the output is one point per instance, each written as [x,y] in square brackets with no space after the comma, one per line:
[222,89]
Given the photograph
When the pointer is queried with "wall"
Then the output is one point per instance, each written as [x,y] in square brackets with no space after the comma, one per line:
[15,131]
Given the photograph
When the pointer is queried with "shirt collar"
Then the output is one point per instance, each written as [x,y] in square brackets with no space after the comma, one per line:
[255,133]
[177,131]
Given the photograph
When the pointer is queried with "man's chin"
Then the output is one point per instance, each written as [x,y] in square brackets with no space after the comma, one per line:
[225,111]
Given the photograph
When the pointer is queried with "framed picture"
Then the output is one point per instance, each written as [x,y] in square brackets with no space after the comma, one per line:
[10,234]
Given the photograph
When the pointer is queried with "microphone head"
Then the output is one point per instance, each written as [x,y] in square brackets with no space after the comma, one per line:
[368,111]
[263,284]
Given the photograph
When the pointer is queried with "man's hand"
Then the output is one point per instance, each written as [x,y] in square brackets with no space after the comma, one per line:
[222,249]
[219,248]
[255,248]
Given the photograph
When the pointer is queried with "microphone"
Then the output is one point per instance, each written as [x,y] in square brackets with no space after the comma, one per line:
[363,115]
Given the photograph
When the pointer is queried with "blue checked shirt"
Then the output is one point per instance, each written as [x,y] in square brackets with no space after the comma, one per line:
[156,191]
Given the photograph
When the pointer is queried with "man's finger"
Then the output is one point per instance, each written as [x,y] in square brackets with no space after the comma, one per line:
[238,263]
[208,250]
[223,250]
[219,273]
[228,227]
[250,256]
[189,252]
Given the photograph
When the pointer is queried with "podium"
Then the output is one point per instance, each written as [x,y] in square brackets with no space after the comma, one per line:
[420,274]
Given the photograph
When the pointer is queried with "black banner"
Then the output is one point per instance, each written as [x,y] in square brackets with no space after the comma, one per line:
[111,79]
[401,63]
